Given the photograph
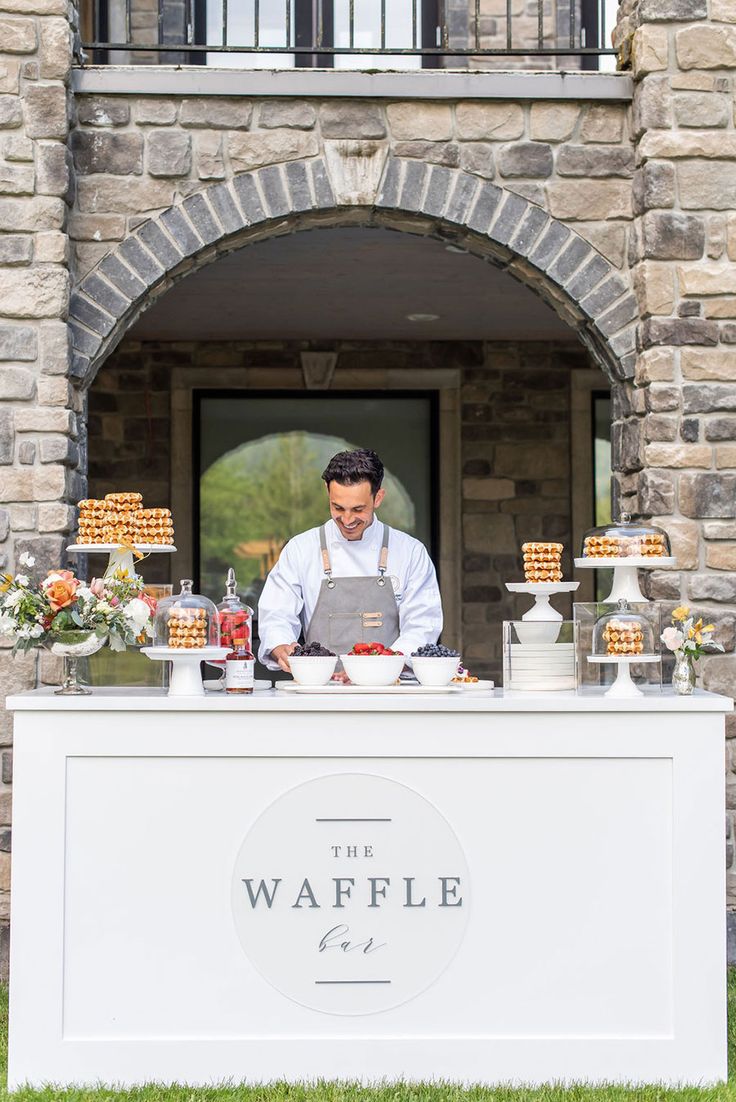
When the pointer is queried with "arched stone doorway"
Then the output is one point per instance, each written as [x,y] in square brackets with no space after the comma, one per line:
[502,226]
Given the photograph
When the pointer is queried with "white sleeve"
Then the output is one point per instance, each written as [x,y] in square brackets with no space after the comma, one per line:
[280,606]
[420,610]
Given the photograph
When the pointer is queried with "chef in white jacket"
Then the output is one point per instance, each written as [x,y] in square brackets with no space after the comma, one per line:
[352,580]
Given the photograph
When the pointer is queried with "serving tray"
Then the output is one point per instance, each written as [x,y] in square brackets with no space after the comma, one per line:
[335,687]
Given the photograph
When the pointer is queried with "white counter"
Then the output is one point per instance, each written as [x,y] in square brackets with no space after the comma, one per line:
[481,888]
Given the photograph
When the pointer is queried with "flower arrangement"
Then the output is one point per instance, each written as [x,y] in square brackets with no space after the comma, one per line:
[59,606]
[689,637]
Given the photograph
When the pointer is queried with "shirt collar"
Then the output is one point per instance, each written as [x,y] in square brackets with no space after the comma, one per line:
[370,537]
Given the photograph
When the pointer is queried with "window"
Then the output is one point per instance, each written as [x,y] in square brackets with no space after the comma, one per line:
[258,464]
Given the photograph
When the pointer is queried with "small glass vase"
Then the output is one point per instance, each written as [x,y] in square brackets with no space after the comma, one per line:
[71,646]
[683,675]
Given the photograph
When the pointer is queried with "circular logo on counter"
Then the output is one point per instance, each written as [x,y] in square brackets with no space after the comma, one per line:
[350,894]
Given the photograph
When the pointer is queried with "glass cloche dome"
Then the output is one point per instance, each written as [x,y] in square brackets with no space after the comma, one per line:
[236,618]
[186,621]
[627,539]
[622,633]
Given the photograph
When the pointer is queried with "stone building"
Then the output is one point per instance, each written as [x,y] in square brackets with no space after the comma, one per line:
[581,223]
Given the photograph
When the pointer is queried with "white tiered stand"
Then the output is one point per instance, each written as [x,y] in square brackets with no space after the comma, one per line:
[541,623]
[623,687]
[120,557]
[625,574]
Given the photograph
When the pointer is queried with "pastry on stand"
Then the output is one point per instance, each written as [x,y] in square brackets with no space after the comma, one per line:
[119,525]
[626,548]
[543,579]
[186,633]
[623,638]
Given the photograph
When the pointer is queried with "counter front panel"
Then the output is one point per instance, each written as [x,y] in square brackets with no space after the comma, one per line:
[360,893]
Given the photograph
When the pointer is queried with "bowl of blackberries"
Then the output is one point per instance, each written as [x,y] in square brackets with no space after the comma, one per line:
[312,664]
[435,665]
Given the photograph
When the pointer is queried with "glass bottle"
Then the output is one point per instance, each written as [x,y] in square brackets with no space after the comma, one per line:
[235,617]
[239,668]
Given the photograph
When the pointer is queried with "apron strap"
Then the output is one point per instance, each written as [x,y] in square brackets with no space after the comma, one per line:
[383,560]
[326,566]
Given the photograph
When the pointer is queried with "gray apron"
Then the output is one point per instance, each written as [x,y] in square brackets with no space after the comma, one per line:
[354,610]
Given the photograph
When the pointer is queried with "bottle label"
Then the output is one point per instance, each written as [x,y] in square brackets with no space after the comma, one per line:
[240,675]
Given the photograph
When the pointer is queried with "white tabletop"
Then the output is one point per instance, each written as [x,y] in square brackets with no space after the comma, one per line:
[114,699]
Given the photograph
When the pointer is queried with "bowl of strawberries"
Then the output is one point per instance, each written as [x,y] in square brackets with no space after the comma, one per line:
[372,665]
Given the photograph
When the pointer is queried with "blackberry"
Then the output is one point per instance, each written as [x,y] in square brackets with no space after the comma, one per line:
[312,650]
[435,650]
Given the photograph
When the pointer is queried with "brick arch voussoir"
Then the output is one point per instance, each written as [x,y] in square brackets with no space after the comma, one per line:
[545,254]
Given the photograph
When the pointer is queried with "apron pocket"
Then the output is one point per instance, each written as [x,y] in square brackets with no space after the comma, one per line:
[346,629]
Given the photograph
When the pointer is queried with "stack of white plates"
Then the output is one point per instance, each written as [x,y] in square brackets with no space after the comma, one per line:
[541,667]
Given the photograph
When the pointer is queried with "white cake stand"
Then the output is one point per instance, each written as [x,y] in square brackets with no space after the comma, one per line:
[623,687]
[625,574]
[541,624]
[186,676]
[121,558]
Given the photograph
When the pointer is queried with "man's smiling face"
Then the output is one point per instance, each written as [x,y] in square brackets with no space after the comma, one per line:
[352,507]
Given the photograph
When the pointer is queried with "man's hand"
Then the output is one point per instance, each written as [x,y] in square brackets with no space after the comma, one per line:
[281,655]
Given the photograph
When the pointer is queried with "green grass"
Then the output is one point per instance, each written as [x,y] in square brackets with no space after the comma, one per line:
[401,1092]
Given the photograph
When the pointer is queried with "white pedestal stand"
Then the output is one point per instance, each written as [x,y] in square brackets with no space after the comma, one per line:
[185,675]
[623,686]
[541,624]
[120,558]
[625,575]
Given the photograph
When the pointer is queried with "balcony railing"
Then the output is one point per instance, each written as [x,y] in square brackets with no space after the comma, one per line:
[351,34]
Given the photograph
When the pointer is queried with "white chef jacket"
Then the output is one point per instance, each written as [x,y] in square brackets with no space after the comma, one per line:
[290,594]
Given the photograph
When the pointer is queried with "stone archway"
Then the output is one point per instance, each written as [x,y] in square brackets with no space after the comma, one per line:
[502,226]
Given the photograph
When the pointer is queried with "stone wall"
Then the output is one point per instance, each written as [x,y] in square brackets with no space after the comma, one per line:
[134,155]
[678,427]
[515,439]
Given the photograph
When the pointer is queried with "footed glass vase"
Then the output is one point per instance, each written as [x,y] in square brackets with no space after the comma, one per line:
[683,675]
[71,646]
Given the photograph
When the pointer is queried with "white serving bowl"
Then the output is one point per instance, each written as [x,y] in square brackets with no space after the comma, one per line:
[435,671]
[373,670]
[313,670]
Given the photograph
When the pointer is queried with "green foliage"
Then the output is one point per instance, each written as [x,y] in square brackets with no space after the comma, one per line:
[394,1092]
[272,489]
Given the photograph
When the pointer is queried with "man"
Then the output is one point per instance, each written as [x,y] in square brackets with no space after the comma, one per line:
[353,580]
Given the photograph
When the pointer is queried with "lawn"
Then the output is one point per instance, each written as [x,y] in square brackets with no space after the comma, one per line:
[403,1092]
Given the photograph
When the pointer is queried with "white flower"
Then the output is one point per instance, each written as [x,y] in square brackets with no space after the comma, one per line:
[103,607]
[25,559]
[84,593]
[50,579]
[7,625]
[13,599]
[672,638]
[136,614]
[24,631]
[36,631]
[21,579]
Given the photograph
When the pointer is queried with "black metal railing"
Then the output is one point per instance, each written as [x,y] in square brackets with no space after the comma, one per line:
[317,33]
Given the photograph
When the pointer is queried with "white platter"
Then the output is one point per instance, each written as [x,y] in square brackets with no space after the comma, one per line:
[542,588]
[105,548]
[542,648]
[336,687]
[542,685]
[628,659]
[475,686]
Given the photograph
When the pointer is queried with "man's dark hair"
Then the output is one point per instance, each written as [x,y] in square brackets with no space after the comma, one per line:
[350,468]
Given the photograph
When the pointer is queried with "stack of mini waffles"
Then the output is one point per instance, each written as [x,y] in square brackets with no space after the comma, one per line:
[542,562]
[120,518]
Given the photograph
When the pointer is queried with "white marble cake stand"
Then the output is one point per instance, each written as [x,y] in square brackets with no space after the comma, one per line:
[541,624]
[625,574]
[121,557]
[186,676]
[623,686]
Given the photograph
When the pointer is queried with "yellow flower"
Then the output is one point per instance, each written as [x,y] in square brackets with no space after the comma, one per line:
[709,627]
[698,638]
[691,633]
[699,625]
[680,613]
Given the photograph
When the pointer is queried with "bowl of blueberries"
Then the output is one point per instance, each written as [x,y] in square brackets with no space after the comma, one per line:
[435,665]
[312,664]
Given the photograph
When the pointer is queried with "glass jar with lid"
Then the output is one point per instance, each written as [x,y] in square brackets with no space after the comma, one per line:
[626,540]
[235,617]
[623,633]
[186,621]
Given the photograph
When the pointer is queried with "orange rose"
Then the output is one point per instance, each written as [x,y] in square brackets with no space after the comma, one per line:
[61,587]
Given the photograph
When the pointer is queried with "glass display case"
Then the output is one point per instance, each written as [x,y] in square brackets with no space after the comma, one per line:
[618,647]
[186,621]
[626,540]
[623,632]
